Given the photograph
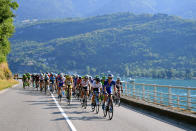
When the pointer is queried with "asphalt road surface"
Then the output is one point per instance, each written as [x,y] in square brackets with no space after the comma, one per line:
[31,110]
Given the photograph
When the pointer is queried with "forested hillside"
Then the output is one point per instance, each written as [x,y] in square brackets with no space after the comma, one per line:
[54,9]
[138,45]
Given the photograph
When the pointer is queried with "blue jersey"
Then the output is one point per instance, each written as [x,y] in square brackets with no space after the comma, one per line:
[61,81]
[75,81]
[109,86]
[52,78]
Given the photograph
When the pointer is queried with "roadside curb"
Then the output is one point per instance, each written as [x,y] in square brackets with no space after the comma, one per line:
[179,116]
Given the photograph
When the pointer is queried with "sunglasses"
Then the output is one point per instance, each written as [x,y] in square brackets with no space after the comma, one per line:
[110,78]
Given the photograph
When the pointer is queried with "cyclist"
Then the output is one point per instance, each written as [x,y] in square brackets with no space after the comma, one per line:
[69,84]
[108,84]
[52,82]
[91,80]
[24,80]
[102,82]
[33,79]
[57,82]
[37,77]
[61,80]
[75,78]
[46,80]
[28,78]
[96,87]
[119,86]
[79,85]
[85,86]
[41,82]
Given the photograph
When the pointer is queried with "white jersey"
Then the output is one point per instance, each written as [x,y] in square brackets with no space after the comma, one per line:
[96,85]
[85,83]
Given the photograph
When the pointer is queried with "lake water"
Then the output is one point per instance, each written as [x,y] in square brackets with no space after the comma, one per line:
[181,92]
[185,83]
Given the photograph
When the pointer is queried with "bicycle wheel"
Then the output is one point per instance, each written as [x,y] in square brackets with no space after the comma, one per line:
[45,89]
[60,96]
[97,106]
[110,110]
[118,101]
[104,110]
[115,100]
[85,102]
[68,96]
[93,107]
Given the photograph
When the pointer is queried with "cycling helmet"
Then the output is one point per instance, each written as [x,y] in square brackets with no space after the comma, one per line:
[96,76]
[68,76]
[86,77]
[103,77]
[110,76]
[98,79]
[61,75]
[118,78]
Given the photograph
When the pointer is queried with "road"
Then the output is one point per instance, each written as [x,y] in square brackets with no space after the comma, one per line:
[30,110]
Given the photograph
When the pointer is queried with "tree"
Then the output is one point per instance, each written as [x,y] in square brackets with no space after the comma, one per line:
[6,26]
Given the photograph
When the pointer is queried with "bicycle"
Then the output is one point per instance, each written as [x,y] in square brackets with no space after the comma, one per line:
[46,86]
[108,109]
[25,84]
[117,98]
[95,105]
[60,94]
[51,87]
[37,85]
[84,103]
[68,95]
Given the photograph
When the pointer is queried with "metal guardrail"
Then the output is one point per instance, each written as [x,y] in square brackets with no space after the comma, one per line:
[163,95]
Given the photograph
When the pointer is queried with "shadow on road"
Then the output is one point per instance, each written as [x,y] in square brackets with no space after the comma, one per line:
[48,103]
[162,118]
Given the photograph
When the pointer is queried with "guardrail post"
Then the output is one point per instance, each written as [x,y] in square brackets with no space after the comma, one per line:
[188,99]
[161,98]
[169,96]
[126,89]
[178,101]
[143,92]
[155,93]
[133,89]
[148,96]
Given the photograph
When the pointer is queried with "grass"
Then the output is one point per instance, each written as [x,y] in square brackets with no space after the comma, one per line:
[7,84]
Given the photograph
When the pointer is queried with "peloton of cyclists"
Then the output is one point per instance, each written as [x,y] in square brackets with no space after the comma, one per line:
[85,85]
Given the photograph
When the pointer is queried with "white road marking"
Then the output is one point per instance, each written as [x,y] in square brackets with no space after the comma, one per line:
[64,115]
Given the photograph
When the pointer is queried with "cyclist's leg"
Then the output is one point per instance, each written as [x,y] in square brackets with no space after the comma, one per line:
[82,93]
[93,98]
[70,91]
[58,91]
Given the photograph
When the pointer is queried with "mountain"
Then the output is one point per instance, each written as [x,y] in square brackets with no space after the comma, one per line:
[144,45]
[55,9]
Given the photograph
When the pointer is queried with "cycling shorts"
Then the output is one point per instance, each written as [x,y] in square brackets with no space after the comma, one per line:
[85,88]
[60,84]
[96,90]
[69,86]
